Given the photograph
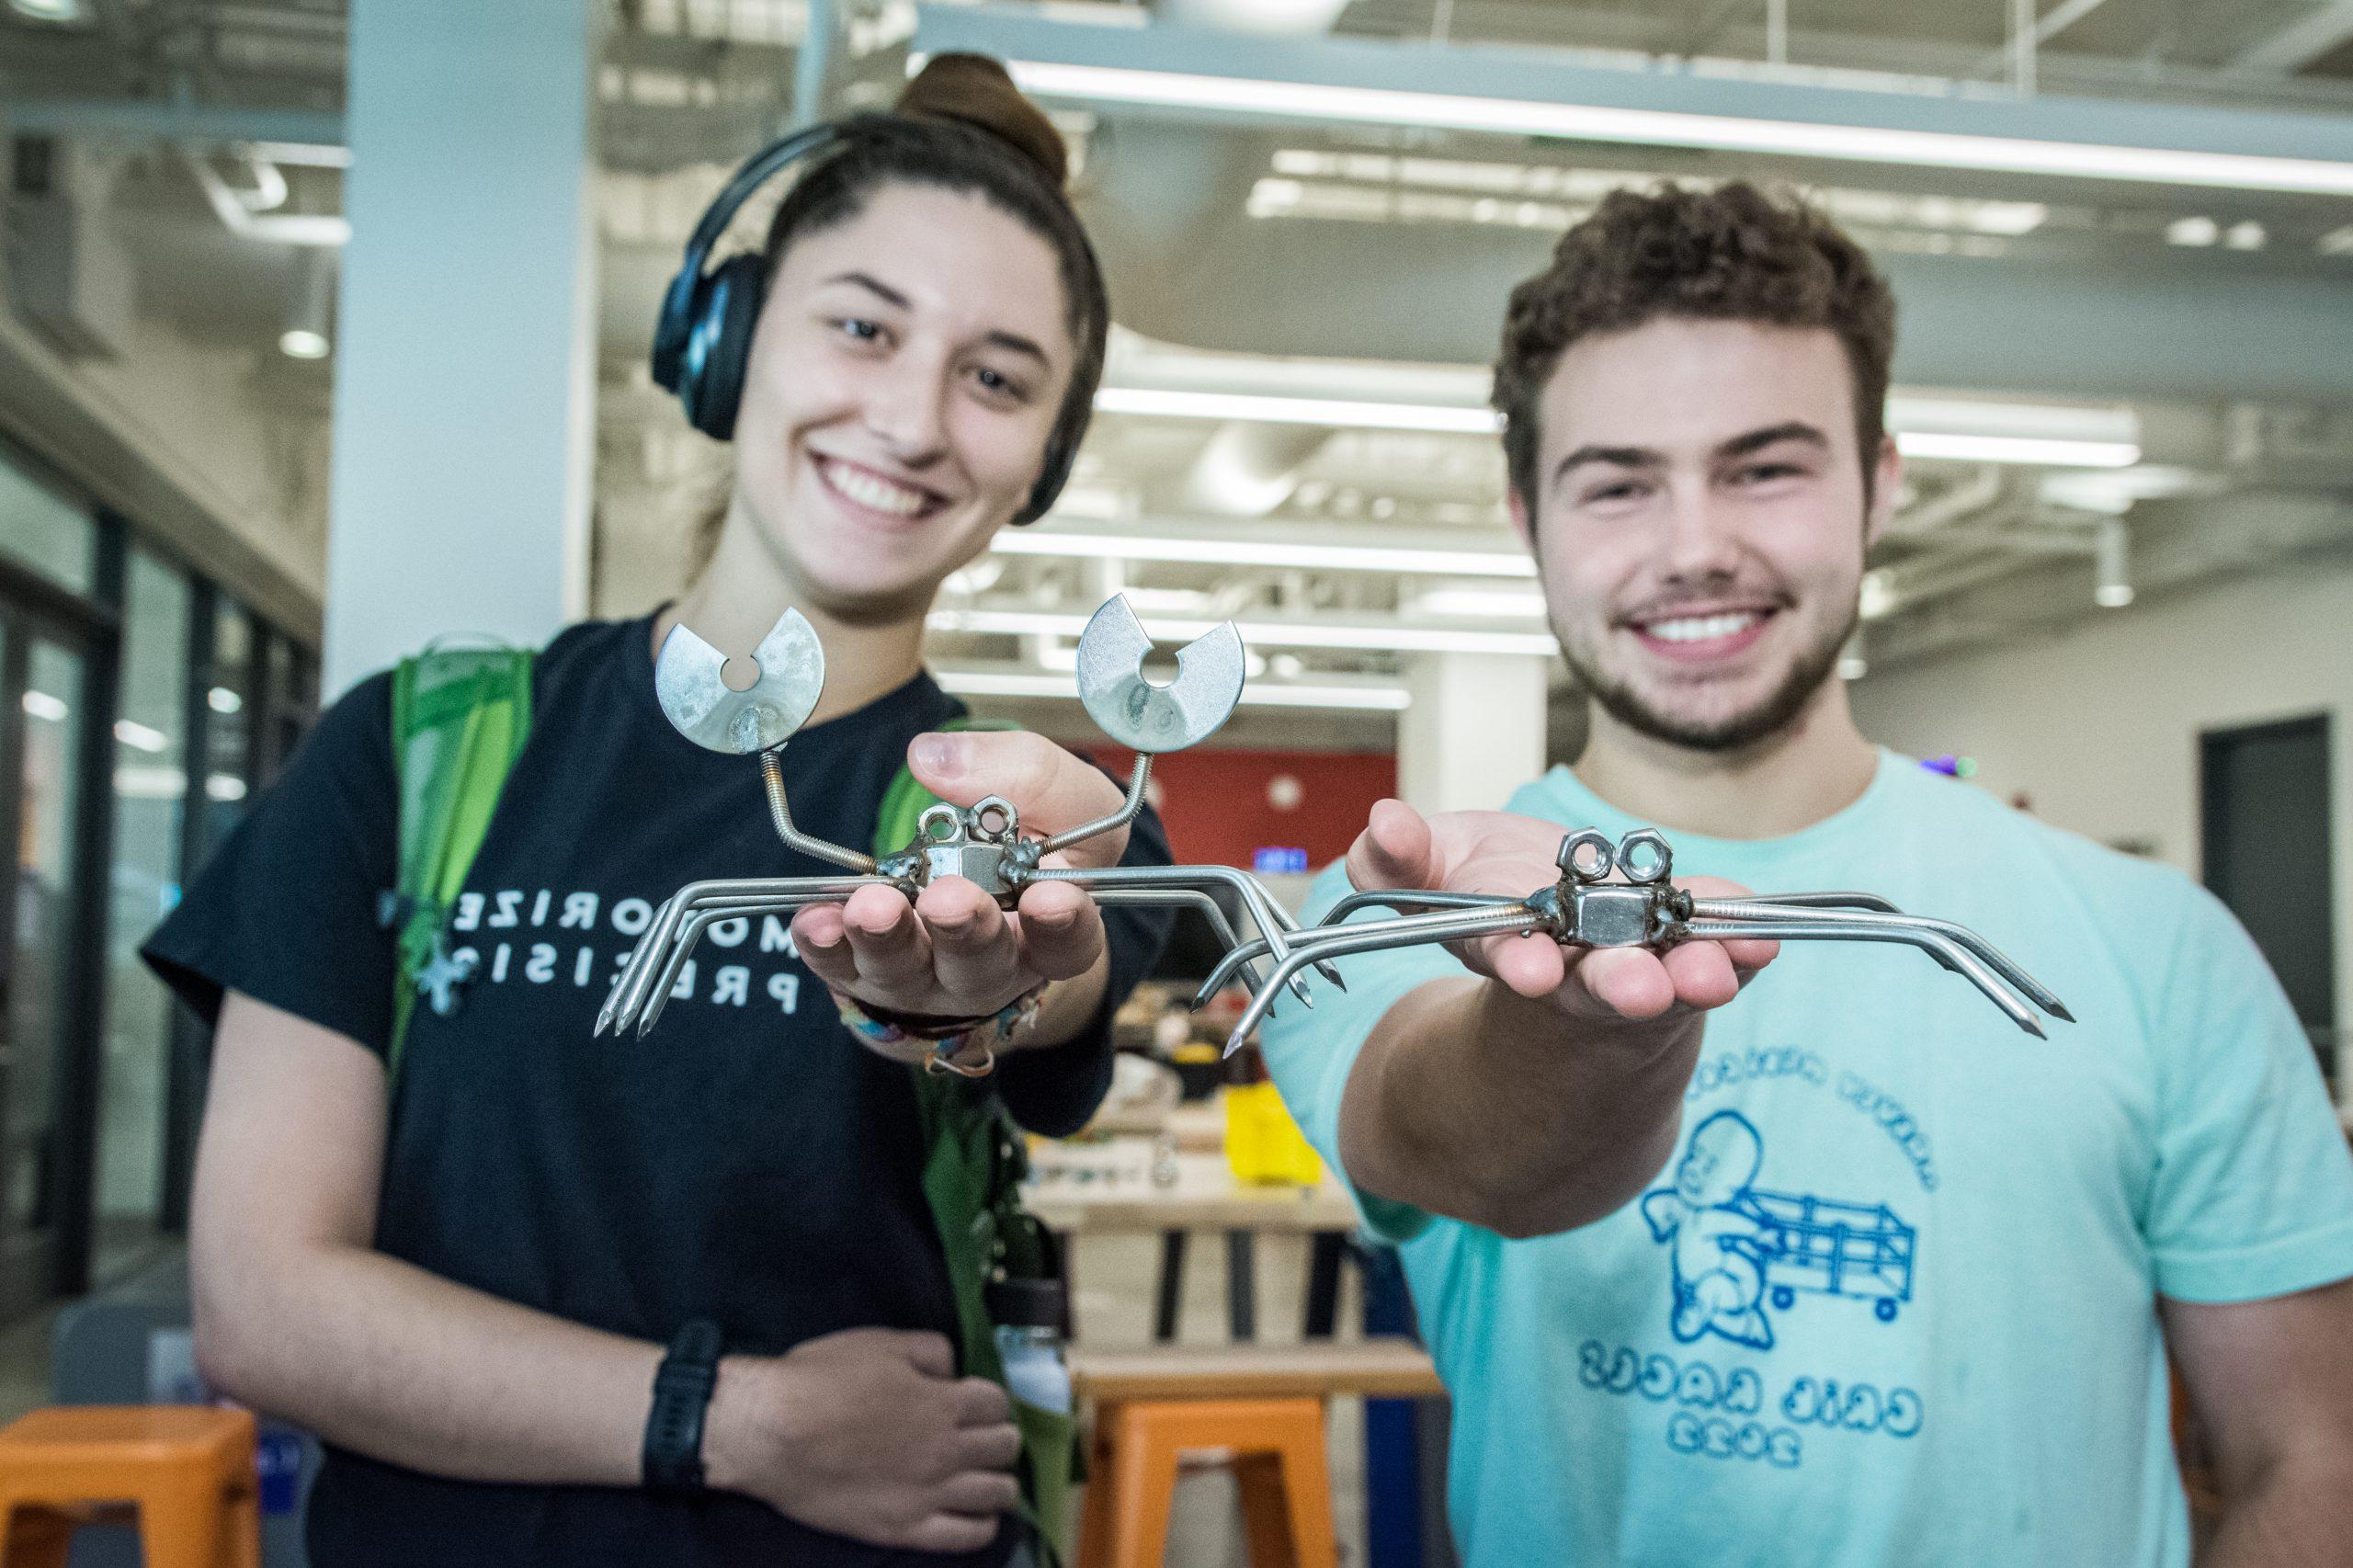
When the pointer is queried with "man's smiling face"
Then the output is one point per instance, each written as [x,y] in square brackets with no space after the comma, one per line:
[1700,520]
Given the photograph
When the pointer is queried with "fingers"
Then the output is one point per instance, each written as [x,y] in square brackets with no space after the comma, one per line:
[1631,982]
[1052,788]
[892,949]
[927,1352]
[818,936]
[981,1404]
[984,1493]
[988,1448]
[1061,931]
[1394,851]
[975,953]
[946,1533]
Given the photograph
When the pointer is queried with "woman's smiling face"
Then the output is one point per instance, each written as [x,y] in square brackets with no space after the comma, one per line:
[906,377]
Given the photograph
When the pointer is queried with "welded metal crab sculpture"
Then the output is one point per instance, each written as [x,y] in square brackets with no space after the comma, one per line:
[984,842]
[1586,908]
[1606,896]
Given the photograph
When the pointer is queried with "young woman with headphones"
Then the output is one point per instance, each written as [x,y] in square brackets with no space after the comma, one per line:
[464,1277]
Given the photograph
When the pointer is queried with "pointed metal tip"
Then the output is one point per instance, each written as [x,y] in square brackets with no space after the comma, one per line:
[1333,975]
[2058,1010]
[1233,1044]
[2033,1028]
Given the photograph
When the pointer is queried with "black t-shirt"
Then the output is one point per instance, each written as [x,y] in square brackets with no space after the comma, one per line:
[746,1161]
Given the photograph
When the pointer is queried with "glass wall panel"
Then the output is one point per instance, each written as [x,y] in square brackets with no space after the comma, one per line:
[151,790]
[54,705]
[40,529]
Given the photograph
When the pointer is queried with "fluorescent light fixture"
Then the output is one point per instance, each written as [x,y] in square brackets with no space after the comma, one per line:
[1023,683]
[2337,242]
[1391,106]
[1263,634]
[41,705]
[222,701]
[1268,552]
[141,737]
[2110,545]
[305,336]
[2248,235]
[2047,451]
[1994,446]
[1483,603]
[2193,231]
[1171,403]
[1878,598]
[1852,665]
[224,787]
[69,13]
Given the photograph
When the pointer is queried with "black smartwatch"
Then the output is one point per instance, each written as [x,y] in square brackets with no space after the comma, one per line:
[673,1457]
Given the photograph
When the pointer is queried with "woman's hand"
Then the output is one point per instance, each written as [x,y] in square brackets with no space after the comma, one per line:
[1495,852]
[954,953]
[868,1432]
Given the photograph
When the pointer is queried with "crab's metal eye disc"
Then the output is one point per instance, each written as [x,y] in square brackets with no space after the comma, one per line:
[1148,718]
[695,698]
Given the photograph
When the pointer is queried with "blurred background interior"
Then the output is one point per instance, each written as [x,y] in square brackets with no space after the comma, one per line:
[253,446]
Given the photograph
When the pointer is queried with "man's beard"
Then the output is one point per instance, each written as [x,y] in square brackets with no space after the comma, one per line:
[1736,732]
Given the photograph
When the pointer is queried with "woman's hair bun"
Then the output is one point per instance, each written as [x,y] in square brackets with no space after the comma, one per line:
[975,90]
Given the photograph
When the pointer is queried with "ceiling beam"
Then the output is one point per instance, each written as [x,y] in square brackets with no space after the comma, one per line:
[2300,42]
[1521,92]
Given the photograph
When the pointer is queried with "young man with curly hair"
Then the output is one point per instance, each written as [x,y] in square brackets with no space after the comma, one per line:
[1867,1276]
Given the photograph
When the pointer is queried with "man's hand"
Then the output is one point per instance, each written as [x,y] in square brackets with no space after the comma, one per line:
[1546,1095]
[869,1434]
[1495,852]
[954,953]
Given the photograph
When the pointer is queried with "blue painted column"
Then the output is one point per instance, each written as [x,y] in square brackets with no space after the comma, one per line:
[465,349]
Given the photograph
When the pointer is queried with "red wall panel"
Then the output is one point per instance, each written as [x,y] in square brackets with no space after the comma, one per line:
[1221,806]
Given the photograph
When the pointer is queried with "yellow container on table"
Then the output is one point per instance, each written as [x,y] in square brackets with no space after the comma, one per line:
[1263,1144]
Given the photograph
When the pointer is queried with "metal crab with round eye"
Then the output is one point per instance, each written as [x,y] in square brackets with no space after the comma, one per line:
[982,843]
[1640,908]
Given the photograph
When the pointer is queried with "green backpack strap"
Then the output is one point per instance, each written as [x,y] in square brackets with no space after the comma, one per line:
[459,718]
[973,1161]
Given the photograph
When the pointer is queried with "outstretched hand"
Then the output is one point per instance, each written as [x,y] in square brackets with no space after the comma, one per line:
[1497,852]
[953,951]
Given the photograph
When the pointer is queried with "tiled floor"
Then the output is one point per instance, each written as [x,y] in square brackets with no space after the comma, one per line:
[1114,1308]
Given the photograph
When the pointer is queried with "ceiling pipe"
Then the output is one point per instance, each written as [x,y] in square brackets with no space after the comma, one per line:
[1979,490]
[1248,469]
[271,228]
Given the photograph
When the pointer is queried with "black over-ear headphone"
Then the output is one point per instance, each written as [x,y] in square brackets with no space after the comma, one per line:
[703,336]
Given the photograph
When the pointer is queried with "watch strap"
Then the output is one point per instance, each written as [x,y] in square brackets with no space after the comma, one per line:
[672,1458]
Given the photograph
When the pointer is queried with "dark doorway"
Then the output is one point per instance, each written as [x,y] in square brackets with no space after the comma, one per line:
[2265,801]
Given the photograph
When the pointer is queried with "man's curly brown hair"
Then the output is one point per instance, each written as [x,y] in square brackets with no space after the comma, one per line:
[1729,254]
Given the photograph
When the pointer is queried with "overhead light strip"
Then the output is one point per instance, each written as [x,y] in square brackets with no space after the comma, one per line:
[2047,452]
[1173,403]
[1268,552]
[1664,128]
[1263,634]
[1022,683]
[1454,418]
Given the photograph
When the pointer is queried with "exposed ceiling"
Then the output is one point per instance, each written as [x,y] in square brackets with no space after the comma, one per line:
[2210,320]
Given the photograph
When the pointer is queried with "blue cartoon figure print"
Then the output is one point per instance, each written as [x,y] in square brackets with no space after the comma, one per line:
[1734,1246]
[1712,1235]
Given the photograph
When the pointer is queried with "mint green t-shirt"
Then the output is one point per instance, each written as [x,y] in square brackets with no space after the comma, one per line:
[1892,1300]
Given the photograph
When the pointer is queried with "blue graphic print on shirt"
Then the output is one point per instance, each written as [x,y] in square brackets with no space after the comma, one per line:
[1731,1244]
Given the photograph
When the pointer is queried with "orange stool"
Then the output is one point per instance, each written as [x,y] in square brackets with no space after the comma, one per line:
[1276,1447]
[188,1470]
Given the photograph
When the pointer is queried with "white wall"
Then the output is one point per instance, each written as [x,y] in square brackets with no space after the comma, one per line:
[2100,727]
